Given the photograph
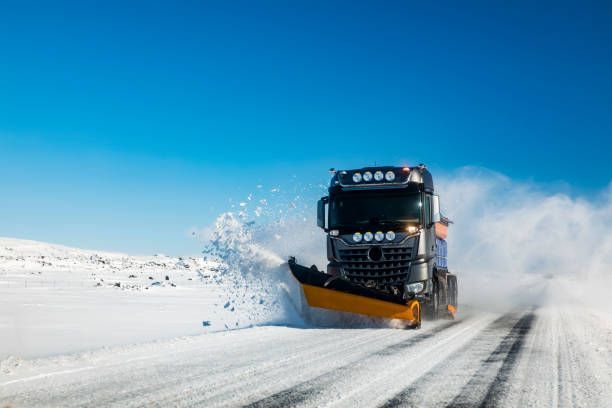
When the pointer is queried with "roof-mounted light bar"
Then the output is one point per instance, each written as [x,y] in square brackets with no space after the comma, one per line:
[374,177]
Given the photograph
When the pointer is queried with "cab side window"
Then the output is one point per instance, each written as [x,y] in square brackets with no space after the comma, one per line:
[427,210]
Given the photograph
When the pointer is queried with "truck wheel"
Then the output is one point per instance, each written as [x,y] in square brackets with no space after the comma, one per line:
[431,308]
[453,290]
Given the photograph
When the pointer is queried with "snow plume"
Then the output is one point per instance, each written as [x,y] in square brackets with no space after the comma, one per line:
[252,243]
[279,221]
[511,239]
[251,278]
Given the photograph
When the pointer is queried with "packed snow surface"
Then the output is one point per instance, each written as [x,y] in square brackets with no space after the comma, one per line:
[549,356]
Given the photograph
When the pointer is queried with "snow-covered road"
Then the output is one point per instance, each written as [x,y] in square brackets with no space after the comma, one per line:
[84,328]
[549,356]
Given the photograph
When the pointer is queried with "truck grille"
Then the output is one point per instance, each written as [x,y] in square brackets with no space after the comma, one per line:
[385,274]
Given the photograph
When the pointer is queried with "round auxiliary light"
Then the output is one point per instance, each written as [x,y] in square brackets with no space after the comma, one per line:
[367,176]
[390,235]
[357,237]
[389,176]
[379,236]
[368,236]
[357,177]
[378,176]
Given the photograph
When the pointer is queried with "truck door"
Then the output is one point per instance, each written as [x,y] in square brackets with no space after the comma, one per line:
[429,236]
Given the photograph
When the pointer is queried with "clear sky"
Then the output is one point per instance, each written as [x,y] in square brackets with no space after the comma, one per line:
[123,124]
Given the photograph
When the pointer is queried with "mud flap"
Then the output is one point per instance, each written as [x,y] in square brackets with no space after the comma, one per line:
[452,297]
[324,291]
[452,311]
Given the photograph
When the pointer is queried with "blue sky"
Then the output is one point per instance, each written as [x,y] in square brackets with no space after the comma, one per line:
[122,126]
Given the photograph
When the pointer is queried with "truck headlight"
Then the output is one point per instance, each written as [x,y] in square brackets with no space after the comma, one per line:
[390,235]
[389,176]
[357,237]
[368,236]
[378,176]
[379,236]
[412,229]
[357,177]
[416,287]
[367,176]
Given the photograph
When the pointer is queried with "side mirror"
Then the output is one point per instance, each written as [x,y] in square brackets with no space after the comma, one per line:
[321,212]
[435,209]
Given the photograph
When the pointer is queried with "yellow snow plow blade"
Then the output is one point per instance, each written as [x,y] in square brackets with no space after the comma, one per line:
[345,302]
[323,291]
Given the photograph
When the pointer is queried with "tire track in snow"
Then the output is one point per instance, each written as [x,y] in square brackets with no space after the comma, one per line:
[207,386]
[568,366]
[223,389]
[306,390]
[193,372]
[421,391]
[486,387]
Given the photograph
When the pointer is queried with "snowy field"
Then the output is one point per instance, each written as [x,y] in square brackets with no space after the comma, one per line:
[87,328]
[58,300]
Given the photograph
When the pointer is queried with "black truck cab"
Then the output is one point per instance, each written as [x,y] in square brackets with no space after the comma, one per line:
[380,223]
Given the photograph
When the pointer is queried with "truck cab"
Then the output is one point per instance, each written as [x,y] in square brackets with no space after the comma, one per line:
[385,233]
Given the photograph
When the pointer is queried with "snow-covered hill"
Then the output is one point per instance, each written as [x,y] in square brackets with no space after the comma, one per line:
[41,264]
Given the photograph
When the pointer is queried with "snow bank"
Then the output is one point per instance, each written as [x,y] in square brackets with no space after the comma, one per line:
[40,264]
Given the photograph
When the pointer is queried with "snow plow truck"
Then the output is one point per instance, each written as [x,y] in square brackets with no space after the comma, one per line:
[386,247]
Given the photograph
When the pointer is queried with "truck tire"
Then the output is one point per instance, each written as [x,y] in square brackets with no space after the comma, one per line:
[453,291]
[452,297]
[431,308]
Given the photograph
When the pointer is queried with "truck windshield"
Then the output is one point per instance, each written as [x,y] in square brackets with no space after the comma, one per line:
[374,208]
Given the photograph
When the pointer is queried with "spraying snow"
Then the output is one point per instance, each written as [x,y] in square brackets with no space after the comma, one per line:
[255,286]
